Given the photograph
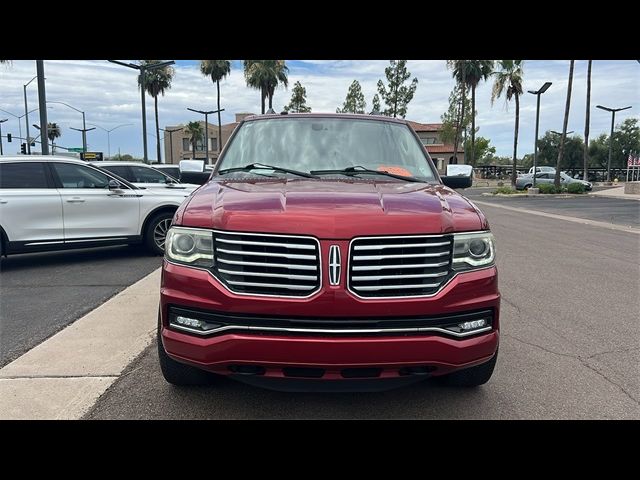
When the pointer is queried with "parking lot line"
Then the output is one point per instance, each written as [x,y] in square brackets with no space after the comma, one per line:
[63,376]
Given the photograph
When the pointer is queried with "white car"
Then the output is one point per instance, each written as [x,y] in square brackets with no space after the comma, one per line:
[142,175]
[543,170]
[51,203]
[168,168]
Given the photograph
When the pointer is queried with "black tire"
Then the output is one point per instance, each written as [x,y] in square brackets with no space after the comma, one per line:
[159,224]
[180,374]
[471,377]
[527,187]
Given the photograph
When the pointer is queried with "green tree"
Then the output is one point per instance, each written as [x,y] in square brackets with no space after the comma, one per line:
[549,146]
[459,72]
[626,139]
[376,104]
[508,80]
[53,132]
[586,125]
[298,103]
[266,75]
[157,82]
[476,70]
[354,101]
[567,107]
[217,70]
[481,149]
[196,133]
[396,95]
[451,118]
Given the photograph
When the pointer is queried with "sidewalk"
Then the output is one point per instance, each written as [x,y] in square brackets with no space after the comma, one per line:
[616,192]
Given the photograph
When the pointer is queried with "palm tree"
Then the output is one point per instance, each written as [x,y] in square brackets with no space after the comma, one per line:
[476,70]
[53,132]
[585,177]
[508,80]
[459,73]
[265,75]
[217,70]
[156,83]
[195,132]
[564,125]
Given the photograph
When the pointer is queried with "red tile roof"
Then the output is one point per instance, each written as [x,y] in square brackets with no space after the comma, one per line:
[425,127]
[442,149]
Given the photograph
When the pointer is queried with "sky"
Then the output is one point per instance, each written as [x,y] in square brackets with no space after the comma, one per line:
[109,96]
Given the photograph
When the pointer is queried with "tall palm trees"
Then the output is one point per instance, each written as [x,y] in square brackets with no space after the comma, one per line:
[476,70]
[157,81]
[508,80]
[564,125]
[266,75]
[217,70]
[585,175]
[195,132]
[53,132]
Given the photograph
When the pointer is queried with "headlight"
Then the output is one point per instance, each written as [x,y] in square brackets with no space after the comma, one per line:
[190,246]
[473,250]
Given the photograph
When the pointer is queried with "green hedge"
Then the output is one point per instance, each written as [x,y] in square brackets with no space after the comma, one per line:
[575,188]
[547,188]
[505,190]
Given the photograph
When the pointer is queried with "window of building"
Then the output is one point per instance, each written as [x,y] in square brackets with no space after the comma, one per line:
[23,175]
[428,140]
[186,145]
[213,143]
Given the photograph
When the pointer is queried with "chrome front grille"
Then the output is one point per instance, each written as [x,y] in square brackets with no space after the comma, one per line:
[399,266]
[251,263]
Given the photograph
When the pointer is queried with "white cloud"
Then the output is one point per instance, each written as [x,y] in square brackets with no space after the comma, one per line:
[109,95]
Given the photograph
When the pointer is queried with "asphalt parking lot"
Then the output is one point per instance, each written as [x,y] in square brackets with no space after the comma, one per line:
[44,292]
[570,347]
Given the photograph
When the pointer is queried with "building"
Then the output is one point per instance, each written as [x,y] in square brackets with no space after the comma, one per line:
[178,147]
[442,154]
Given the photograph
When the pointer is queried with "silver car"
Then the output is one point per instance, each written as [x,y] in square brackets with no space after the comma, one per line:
[526,181]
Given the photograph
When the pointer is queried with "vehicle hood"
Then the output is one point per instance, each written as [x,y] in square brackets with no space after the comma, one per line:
[330,208]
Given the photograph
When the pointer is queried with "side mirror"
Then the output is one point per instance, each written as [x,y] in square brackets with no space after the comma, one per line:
[458,176]
[115,185]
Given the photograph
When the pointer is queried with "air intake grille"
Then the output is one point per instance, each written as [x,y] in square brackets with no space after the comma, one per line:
[399,266]
[267,264]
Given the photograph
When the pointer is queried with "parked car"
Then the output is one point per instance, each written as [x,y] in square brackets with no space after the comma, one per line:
[168,168]
[543,169]
[142,175]
[338,255]
[52,203]
[526,181]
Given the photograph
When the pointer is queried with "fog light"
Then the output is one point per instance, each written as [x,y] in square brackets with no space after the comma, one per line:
[473,324]
[193,324]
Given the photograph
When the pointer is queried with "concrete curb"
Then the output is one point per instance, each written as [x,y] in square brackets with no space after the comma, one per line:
[64,376]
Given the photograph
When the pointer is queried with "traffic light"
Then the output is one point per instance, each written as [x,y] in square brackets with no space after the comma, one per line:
[8,137]
[23,148]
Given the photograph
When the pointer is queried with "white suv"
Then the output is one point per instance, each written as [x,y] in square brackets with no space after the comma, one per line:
[50,203]
[142,175]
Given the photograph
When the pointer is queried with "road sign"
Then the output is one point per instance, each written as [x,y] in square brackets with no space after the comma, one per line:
[75,149]
[91,156]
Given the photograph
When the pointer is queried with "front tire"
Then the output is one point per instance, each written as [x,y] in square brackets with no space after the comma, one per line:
[156,232]
[471,377]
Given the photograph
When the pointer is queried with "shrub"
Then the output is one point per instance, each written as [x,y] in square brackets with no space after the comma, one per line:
[575,188]
[504,190]
[547,188]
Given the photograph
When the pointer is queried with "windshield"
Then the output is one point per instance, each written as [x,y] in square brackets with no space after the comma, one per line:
[307,144]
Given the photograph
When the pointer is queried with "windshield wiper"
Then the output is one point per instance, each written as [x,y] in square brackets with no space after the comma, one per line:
[255,166]
[358,169]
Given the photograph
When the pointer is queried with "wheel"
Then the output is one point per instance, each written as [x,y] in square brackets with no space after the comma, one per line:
[471,377]
[178,373]
[528,186]
[156,232]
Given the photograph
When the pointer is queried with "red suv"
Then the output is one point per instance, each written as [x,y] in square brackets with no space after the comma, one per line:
[326,252]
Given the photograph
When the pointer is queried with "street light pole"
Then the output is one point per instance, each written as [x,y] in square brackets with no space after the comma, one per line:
[42,99]
[109,134]
[171,132]
[143,70]
[613,117]
[206,128]
[84,134]
[1,122]
[26,113]
[537,93]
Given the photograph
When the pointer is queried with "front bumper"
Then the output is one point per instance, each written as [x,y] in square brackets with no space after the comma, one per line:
[326,355]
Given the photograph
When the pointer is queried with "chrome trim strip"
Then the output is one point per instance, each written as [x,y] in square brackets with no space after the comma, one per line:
[276,275]
[374,288]
[362,278]
[400,245]
[266,254]
[332,330]
[408,255]
[360,268]
[335,265]
[81,240]
[277,265]
[266,244]
[51,242]
[271,285]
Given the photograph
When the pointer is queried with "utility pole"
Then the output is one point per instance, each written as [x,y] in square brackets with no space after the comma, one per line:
[42,99]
